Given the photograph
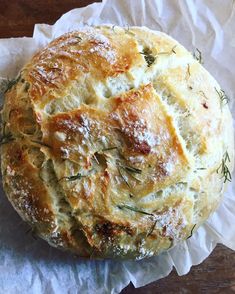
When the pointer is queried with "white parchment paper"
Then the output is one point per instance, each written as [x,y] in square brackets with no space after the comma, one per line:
[31,266]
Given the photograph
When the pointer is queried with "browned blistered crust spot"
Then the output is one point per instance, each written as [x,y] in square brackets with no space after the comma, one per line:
[111,230]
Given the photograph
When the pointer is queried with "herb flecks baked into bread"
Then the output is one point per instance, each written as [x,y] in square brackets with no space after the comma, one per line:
[115,142]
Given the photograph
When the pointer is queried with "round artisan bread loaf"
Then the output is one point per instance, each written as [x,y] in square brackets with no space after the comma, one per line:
[115,142]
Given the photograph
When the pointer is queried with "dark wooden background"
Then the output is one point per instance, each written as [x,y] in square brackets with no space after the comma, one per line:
[214,275]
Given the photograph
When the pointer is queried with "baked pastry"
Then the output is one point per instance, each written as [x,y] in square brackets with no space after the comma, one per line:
[116,143]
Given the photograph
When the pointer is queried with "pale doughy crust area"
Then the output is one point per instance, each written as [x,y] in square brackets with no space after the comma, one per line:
[117,140]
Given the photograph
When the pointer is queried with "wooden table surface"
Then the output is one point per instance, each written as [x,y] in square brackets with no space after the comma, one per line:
[217,273]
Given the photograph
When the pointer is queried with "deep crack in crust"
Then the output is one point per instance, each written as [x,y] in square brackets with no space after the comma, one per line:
[113,155]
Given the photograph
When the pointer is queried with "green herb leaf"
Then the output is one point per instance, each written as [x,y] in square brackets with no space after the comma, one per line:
[224,99]
[198,55]
[123,177]
[11,83]
[109,148]
[188,70]
[72,178]
[149,58]
[152,228]
[132,169]
[123,206]
[203,94]
[128,31]
[78,176]
[168,52]
[223,168]
[173,49]
[78,38]
[226,156]
[191,233]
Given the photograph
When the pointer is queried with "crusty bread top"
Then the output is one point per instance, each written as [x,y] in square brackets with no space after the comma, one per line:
[115,142]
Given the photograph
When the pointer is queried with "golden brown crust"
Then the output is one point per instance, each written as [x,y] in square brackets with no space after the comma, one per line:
[26,187]
[73,55]
[109,142]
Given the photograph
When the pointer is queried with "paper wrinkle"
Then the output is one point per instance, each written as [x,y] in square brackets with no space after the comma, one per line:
[209,27]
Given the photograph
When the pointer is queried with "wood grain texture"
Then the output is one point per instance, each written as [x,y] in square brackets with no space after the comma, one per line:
[17,17]
[214,275]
